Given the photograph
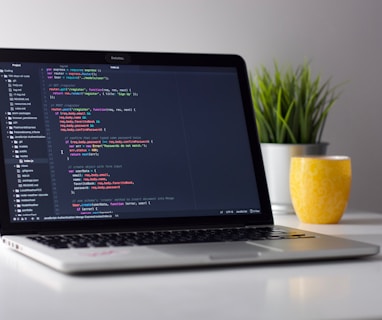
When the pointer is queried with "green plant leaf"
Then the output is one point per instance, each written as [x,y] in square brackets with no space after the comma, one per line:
[290,105]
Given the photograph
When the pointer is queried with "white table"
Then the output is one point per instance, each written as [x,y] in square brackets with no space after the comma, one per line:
[321,290]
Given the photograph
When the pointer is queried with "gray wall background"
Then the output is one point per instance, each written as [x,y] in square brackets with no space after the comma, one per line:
[342,38]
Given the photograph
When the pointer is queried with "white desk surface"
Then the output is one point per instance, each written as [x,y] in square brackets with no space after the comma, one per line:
[321,290]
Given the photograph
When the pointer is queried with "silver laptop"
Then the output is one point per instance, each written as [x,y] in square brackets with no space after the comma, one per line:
[128,160]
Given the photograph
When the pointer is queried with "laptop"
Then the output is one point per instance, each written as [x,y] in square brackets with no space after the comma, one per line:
[138,160]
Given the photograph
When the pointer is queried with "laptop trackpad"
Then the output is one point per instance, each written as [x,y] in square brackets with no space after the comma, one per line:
[221,250]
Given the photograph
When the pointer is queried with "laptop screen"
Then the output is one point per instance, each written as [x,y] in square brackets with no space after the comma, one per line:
[116,140]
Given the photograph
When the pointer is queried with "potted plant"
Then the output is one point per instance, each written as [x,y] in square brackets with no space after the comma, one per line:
[291,107]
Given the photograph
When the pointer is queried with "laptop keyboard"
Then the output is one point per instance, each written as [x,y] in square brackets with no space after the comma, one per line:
[119,239]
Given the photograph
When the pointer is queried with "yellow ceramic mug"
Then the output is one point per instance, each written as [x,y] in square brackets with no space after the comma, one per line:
[320,187]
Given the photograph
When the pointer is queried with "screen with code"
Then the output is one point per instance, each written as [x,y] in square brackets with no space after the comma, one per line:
[113,141]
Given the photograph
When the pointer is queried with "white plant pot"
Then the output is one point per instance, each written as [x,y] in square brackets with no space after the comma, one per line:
[276,158]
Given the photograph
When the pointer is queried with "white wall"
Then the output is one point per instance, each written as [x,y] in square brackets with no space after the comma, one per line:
[343,38]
